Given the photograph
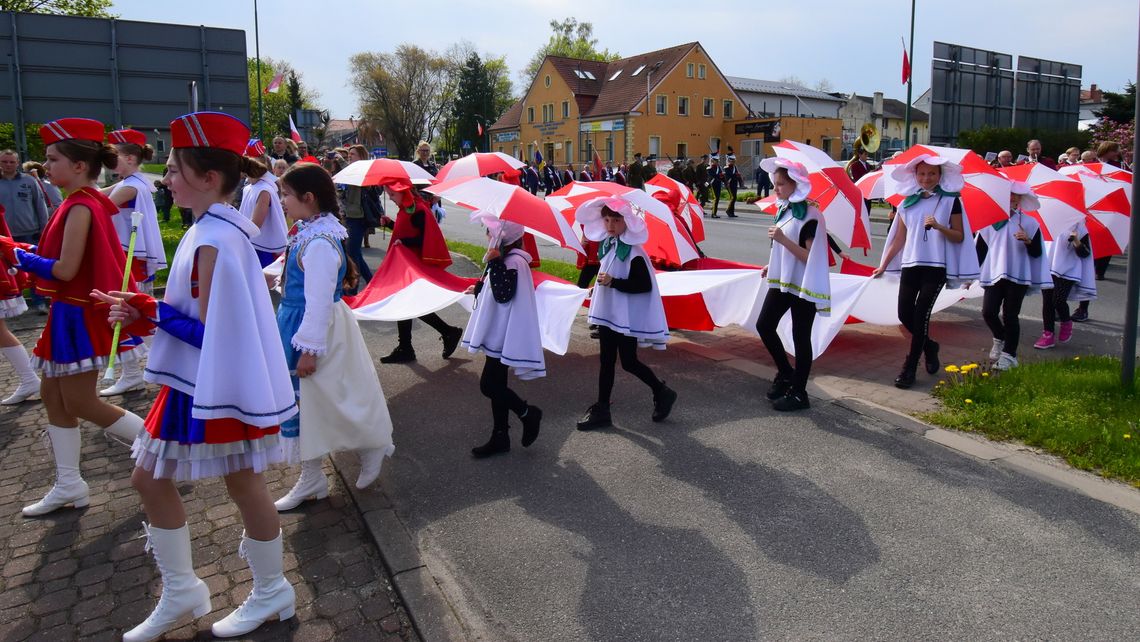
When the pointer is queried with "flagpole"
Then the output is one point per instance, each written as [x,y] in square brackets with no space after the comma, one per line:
[257,53]
[910,76]
[1132,282]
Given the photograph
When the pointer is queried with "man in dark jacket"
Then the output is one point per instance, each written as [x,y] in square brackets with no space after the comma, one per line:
[550,179]
[636,176]
[733,180]
[716,176]
[701,181]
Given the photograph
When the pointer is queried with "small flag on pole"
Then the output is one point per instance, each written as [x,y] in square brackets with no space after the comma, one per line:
[905,65]
[293,133]
[274,85]
[479,127]
[538,157]
[598,175]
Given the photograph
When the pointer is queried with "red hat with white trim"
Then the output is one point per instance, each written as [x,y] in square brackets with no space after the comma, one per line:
[127,136]
[209,129]
[255,148]
[72,129]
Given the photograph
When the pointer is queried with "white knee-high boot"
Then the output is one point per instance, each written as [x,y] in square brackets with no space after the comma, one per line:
[371,461]
[182,592]
[272,596]
[312,484]
[131,379]
[69,486]
[126,428]
[29,381]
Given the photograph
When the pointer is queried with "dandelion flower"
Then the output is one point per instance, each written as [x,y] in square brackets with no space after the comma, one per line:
[1127,436]
[1076,358]
[941,383]
[969,401]
[953,368]
[985,374]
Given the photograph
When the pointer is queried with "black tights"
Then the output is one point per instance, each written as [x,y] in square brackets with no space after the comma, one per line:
[404,328]
[1055,303]
[493,385]
[919,287]
[587,275]
[612,345]
[776,304]
[1007,297]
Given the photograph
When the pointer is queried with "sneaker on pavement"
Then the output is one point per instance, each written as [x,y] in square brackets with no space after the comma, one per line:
[1046,342]
[1066,332]
[1006,361]
[995,351]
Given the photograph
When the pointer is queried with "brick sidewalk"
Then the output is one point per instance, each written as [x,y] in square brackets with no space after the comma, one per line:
[83,574]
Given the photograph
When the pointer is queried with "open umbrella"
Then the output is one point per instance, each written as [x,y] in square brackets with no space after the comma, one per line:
[1110,172]
[680,198]
[510,203]
[840,201]
[1109,205]
[382,171]
[480,164]
[1062,197]
[666,243]
[985,197]
[873,188]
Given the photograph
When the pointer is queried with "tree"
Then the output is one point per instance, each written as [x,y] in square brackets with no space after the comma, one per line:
[794,81]
[474,102]
[278,106]
[824,85]
[1119,108]
[405,94]
[502,89]
[571,39]
[85,8]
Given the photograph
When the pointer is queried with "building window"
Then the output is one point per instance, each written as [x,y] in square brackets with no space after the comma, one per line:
[654,146]
[547,81]
[682,105]
[662,104]
[701,72]
[548,113]
[160,144]
[638,70]
[689,70]
[682,150]
[827,146]
[569,145]
[609,147]
[565,109]
[530,114]
[529,151]
[728,109]
[708,108]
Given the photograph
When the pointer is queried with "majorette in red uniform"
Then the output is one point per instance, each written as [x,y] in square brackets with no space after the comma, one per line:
[225,391]
[12,304]
[76,340]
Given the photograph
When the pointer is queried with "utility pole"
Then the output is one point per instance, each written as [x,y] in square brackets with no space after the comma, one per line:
[257,54]
[910,77]
[1132,288]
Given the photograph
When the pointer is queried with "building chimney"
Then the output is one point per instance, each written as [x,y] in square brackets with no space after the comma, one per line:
[877,105]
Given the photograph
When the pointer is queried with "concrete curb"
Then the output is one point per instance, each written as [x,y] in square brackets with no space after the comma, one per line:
[1009,456]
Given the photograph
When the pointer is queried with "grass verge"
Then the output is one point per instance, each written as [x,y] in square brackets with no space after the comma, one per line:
[153,168]
[1073,408]
[560,269]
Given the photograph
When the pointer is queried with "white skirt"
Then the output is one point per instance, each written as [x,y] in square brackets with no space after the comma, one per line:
[13,307]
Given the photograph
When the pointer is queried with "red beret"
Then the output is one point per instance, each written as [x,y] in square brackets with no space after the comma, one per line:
[209,129]
[255,148]
[120,136]
[72,128]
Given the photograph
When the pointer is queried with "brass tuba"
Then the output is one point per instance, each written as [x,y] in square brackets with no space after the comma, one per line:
[868,138]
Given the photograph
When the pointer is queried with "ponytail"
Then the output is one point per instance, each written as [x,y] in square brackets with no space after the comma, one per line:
[141,152]
[253,168]
[96,155]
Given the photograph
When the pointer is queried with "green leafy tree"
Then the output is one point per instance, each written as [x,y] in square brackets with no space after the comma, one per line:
[278,106]
[85,8]
[406,94]
[478,99]
[1119,107]
[571,39]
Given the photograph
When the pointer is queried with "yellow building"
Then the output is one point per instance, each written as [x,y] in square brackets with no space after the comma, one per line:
[573,107]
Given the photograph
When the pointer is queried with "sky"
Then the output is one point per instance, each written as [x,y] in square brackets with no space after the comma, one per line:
[855,46]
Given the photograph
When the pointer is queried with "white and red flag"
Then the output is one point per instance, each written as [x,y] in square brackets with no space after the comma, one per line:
[293,133]
[274,85]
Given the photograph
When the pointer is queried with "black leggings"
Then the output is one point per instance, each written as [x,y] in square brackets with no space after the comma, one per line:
[613,344]
[1055,303]
[587,275]
[493,385]
[1004,296]
[776,304]
[404,328]
[919,287]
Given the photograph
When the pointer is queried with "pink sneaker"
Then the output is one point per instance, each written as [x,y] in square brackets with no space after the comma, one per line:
[1046,341]
[1066,332]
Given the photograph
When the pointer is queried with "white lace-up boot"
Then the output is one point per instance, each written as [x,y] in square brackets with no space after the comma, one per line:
[312,484]
[69,486]
[131,379]
[272,596]
[182,592]
[370,462]
[29,382]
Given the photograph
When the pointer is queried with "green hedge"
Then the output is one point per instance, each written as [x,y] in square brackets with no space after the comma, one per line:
[993,139]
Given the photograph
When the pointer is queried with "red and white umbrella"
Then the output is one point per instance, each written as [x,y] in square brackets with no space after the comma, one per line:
[1109,203]
[480,164]
[382,171]
[873,187]
[677,195]
[985,197]
[666,242]
[510,203]
[1062,197]
[1110,172]
[840,201]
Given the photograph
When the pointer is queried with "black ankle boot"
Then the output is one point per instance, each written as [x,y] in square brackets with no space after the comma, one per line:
[598,416]
[780,387]
[402,354]
[794,400]
[450,340]
[906,377]
[663,401]
[530,420]
[930,351]
[500,442]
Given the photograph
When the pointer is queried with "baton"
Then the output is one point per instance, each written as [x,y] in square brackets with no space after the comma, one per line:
[136,219]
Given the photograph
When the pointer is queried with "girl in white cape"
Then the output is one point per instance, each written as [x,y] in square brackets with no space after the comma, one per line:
[135,194]
[925,249]
[1074,279]
[626,305]
[261,204]
[342,404]
[1012,264]
[504,327]
[798,280]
